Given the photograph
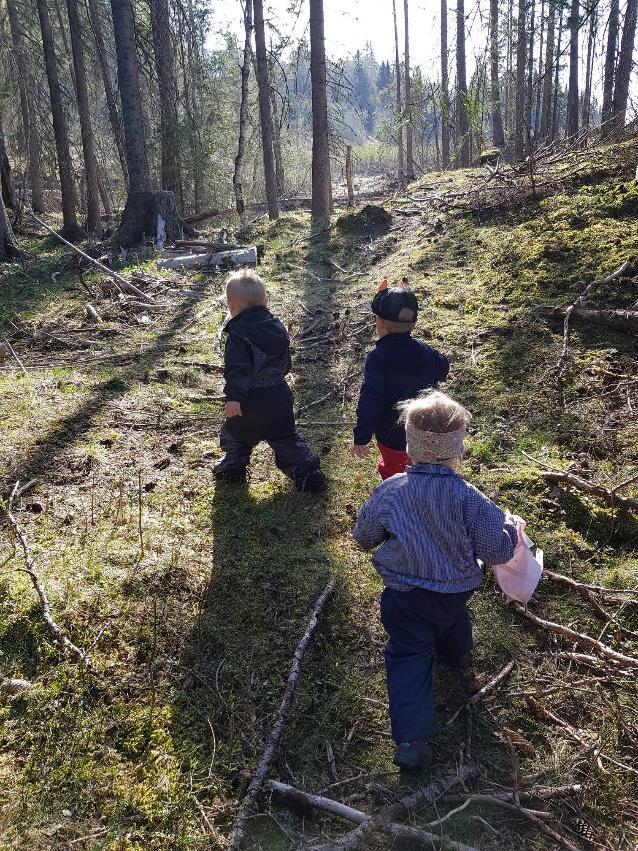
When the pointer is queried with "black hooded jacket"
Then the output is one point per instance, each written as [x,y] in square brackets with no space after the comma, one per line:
[257,352]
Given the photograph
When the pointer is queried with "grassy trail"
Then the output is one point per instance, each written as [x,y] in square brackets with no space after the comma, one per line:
[192,597]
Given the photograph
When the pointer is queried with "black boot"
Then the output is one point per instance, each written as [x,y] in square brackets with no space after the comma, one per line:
[226,470]
[308,478]
[416,754]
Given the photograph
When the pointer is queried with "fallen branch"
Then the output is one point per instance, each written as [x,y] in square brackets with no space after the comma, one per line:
[587,594]
[617,320]
[488,687]
[543,793]
[15,357]
[575,304]
[613,499]
[237,833]
[400,810]
[120,281]
[305,801]
[29,567]
[580,639]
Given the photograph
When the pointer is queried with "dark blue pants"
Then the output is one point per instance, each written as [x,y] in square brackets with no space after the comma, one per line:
[418,622]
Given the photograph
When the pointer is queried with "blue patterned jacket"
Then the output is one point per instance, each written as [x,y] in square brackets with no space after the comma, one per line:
[430,527]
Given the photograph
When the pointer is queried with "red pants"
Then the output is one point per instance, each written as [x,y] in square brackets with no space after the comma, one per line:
[392,461]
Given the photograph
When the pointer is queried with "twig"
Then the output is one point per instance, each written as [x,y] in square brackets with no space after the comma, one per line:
[120,281]
[16,358]
[568,312]
[237,833]
[584,592]
[401,809]
[557,477]
[579,638]
[488,687]
[29,567]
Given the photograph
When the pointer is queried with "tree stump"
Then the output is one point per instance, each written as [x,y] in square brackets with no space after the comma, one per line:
[140,219]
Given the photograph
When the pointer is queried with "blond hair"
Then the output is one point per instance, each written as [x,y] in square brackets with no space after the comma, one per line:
[435,427]
[247,286]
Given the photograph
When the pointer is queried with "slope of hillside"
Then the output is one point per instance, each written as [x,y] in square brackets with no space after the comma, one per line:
[190,597]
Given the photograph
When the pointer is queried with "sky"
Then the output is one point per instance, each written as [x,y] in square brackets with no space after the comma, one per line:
[351,23]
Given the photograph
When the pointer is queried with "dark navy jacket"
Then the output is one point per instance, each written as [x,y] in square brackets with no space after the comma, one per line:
[398,368]
[257,352]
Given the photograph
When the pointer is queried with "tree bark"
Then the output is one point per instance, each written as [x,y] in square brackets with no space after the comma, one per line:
[445,88]
[6,179]
[243,109]
[265,114]
[623,70]
[498,136]
[129,86]
[86,130]
[27,108]
[521,48]
[610,67]
[349,182]
[276,138]
[409,131]
[165,67]
[70,227]
[539,84]
[546,111]
[9,248]
[115,119]
[399,105]
[461,88]
[321,180]
[530,66]
[555,115]
[589,68]
[571,128]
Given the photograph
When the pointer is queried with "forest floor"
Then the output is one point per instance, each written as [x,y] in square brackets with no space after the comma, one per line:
[190,597]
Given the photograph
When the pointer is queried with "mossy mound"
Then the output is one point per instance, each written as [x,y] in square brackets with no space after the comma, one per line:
[370,220]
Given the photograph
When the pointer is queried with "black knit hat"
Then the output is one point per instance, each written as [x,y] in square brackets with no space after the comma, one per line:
[395,304]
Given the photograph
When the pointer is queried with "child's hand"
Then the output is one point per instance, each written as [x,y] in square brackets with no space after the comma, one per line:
[360,450]
[232,409]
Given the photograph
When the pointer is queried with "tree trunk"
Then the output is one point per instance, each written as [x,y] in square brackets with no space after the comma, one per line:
[539,85]
[555,109]
[530,65]
[461,88]
[409,131]
[6,179]
[498,136]
[9,248]
[349,182]
[571,128]
[140,218]
[399,106]
[610,67]
[445,91]
[321,182]
[82,93]
[243,109]
[589,69]
[623,70]
[276,138]
[519,116]
[167,85]
[546,110]
[265,114]
[70,227]
[129,86]
[29,117]
[115,119]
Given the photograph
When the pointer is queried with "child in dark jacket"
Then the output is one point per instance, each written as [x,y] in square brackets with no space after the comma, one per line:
[398,368]
[430,527]
[258,400]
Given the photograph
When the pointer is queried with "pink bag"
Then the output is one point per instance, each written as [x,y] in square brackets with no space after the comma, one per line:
[519,577]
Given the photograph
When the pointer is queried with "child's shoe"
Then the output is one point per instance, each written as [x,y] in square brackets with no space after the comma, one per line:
[417,754]
[309,478]
[229,471]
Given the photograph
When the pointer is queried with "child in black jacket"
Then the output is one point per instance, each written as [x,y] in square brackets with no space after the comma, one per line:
[258,400]
[398,368]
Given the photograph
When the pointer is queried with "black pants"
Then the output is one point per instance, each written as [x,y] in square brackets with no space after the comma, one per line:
[418,622]
[267,414]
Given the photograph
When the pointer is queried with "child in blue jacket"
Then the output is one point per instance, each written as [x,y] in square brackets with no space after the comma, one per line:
[429,527]
[398,368]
